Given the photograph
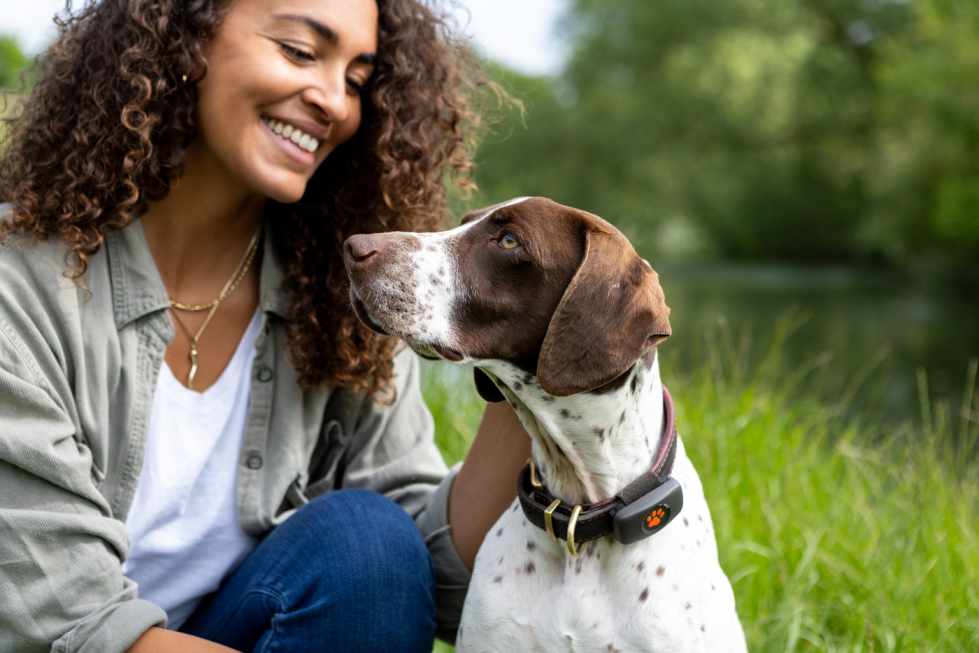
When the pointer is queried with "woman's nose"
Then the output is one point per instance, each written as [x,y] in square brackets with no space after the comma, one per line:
[330,97]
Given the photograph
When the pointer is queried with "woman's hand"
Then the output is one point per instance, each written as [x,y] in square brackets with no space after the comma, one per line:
[161,640]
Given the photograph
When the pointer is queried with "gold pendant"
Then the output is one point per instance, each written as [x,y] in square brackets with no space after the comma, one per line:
[193,364]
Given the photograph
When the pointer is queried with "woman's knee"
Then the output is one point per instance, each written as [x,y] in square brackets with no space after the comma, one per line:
[362,528]
[369,564]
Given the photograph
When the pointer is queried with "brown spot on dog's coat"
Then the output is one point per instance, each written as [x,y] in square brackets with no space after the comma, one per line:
[644,595]
[530,545]
[529,568]
[660,570]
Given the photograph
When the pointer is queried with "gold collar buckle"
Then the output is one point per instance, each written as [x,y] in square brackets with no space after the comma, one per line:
[549,518]
[572,549]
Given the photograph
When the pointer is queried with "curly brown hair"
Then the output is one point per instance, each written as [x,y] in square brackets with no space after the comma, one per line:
[104,131]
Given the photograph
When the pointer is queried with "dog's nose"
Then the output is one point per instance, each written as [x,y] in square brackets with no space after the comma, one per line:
[359,248]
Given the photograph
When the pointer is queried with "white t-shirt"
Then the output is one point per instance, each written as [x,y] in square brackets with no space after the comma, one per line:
[183,525]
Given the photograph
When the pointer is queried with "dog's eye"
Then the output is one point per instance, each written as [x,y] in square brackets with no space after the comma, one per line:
[508,241]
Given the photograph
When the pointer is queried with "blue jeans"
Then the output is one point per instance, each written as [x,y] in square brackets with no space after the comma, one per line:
[348,572]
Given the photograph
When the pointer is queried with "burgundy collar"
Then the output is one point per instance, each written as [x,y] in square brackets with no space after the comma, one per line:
[642,508]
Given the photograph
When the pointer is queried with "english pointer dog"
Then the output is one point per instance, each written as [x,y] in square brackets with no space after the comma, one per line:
[609,546]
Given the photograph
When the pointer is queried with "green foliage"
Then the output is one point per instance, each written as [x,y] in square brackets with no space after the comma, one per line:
[451,395]
[815,130]
[836,537]
[12,62]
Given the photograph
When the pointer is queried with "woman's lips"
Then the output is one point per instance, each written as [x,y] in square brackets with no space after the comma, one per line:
[293,151]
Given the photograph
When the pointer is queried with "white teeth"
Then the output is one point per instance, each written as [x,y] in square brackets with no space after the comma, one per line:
[294,134]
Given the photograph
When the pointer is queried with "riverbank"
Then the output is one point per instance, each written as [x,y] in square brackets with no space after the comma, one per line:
[836,535]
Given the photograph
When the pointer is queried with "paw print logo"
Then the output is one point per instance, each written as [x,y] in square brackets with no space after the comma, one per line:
[656,517]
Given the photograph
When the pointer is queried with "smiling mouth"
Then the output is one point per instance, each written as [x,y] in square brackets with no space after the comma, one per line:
[293,134]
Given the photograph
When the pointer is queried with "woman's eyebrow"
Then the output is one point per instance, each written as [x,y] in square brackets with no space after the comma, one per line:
[325,32]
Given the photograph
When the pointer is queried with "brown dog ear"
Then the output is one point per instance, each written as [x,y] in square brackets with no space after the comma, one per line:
[486,388]
[612,311]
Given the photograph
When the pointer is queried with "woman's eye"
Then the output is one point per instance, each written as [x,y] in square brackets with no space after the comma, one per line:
[508,241]
[297,53]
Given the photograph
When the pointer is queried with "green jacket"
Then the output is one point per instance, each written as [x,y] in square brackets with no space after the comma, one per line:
[77,374]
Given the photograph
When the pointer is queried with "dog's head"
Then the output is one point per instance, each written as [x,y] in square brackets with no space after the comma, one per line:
[555,291]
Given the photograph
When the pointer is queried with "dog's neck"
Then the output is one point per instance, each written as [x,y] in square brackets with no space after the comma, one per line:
[588,447]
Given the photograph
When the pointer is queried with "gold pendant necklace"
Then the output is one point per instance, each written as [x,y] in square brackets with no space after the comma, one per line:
[229,287]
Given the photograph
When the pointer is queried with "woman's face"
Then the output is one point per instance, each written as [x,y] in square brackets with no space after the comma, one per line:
[284,88]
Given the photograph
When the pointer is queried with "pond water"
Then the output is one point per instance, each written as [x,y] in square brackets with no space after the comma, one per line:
[873,339]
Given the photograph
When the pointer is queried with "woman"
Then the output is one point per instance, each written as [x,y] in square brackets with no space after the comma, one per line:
[194,425]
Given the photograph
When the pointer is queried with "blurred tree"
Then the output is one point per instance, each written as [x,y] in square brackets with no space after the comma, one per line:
[751,118]
[927,186]
[806,129]
[12,62]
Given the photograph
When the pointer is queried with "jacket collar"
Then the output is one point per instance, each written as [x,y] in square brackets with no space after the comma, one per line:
[138,290]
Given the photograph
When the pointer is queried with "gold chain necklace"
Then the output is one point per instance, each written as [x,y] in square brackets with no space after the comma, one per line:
[229,287]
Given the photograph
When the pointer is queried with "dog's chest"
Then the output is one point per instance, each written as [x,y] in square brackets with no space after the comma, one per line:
[664,594]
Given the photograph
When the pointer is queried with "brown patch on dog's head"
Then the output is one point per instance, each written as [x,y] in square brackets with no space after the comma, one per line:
[573,303]
[510,294]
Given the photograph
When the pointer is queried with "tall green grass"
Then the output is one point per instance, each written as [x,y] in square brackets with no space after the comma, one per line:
[837,535]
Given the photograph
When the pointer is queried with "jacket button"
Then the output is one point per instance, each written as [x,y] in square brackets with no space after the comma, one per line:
[264,373]
[254,461]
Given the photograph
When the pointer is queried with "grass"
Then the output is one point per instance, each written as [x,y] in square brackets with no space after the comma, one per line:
[836,535]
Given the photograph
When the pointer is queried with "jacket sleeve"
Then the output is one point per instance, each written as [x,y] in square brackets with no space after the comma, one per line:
[61,583]
[393,452]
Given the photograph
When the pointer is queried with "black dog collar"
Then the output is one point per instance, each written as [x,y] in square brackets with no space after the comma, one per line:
[641,509]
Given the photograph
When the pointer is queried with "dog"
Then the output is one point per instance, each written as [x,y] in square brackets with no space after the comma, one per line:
[609,546]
